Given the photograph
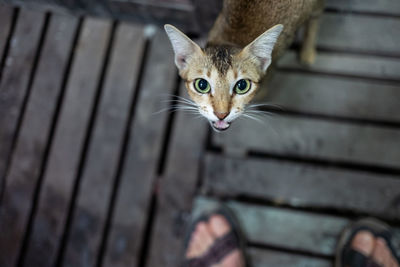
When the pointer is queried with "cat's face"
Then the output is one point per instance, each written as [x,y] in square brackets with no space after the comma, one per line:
[221,80]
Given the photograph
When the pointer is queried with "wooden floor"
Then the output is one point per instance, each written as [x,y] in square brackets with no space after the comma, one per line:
[92,175]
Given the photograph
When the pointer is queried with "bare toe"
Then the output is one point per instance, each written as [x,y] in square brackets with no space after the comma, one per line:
[200,241]
[363,242]
[382,254]
[219,225]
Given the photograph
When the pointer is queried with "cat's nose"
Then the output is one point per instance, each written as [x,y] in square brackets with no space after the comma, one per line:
[221,115]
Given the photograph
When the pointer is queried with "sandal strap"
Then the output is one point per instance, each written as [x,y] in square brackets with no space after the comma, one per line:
[354,258]
[222,247]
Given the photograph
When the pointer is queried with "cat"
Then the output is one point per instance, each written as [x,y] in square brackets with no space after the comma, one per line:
[247,36]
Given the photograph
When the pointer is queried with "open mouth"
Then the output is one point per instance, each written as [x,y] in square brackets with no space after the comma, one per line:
[220,125]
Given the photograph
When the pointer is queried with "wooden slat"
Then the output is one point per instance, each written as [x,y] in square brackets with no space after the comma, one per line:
[143,152]
[303,185]
[176,190]
[377,35]
[62,167]
[389,7]
[6,15]
[335,96]
[346,64]
[27,159]
[284,228]
[15,79]
[105,147]
[262,258]
[313,138]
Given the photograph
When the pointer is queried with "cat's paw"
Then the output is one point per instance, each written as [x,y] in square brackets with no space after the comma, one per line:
[308,56]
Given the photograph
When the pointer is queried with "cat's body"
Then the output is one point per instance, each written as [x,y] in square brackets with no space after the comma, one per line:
[223,77]
[242,21]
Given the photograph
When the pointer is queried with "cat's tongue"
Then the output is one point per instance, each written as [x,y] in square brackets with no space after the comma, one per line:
[221,125]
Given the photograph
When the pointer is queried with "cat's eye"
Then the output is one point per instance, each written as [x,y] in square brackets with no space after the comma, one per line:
[202,86]
[242,86]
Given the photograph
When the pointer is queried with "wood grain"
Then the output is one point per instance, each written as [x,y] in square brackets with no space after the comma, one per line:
[6,16]
[265,257]
[373,35]
[142,156]
[308,232]
[384,7]
[15,78]
[66,149]
[314,138]
[177,189]
[303,185]
[102,161]
[335,96]
[352,65]
[27,159]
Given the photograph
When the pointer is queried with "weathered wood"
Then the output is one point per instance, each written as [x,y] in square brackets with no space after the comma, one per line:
[102,161]
[263,257]
[15,79]
[182,15]
[388,7]
[290,229]
[176,189]
[65,152]
[27,158]
[141,161]
[346,64]
[282,228]
[303,185]
[314,138]
[6,15]
[335,96]
[348,33]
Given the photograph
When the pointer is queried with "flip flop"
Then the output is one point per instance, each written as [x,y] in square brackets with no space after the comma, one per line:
[222,246]
[346,256]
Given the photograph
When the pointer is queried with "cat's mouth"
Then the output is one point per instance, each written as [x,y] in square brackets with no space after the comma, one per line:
[220,125]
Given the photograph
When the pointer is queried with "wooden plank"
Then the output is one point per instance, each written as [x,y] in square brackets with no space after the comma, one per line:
[289,229]
[101,165]
[284,228]
[384,7]
[348,33]
[313,138]
[181,15]
[262,257]
[303,185]
[177,189]
[6,16]
[15,78]
[28,158]
[65,152]
[346,64]
[141,161]
[335,96]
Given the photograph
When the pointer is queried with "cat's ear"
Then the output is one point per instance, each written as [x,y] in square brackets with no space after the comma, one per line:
[261,48]
[184,48]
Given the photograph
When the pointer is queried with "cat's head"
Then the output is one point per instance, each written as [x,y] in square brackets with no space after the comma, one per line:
[222,79]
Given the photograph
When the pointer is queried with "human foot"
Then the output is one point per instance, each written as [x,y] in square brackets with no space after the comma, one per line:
[366,243]
[212,244]
[374,248]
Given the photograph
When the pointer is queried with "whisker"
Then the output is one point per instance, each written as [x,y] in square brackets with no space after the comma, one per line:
[253,118]
[267,105]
